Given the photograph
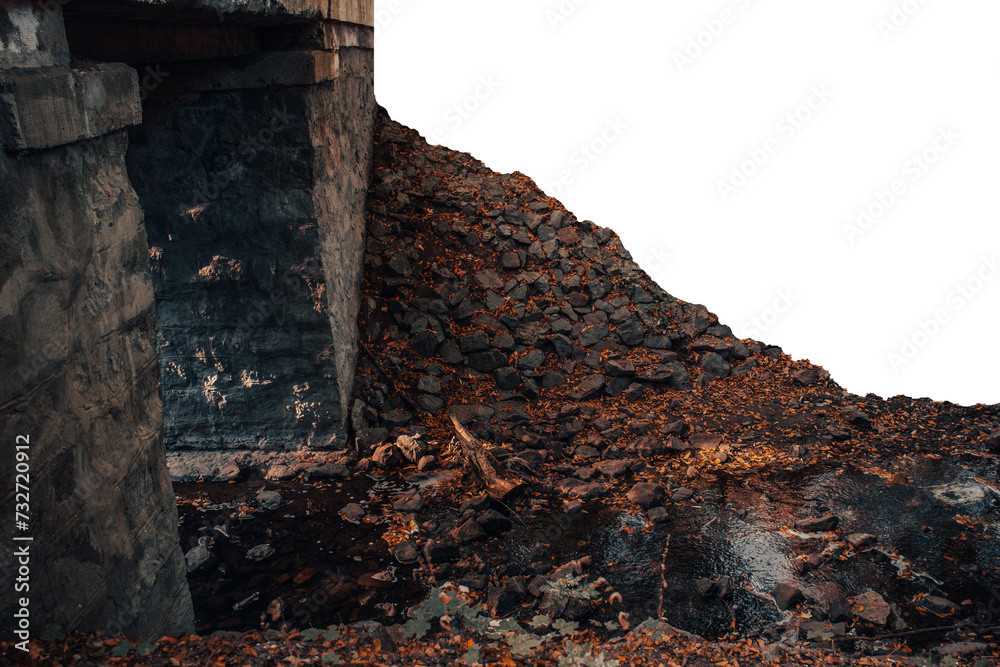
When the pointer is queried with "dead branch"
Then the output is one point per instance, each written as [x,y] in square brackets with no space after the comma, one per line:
[485,465]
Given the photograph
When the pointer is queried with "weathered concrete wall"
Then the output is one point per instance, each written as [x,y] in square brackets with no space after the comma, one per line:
[251,167]
[255,217]
[78,347]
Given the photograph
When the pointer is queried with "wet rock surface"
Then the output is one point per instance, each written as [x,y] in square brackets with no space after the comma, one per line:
[316,546]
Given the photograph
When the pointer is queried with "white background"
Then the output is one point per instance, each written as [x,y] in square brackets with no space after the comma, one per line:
[672,97]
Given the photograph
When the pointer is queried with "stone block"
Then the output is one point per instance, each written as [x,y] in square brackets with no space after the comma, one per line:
[52,106]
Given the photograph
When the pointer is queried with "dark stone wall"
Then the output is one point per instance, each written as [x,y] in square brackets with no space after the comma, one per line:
[254,203]
[252,172]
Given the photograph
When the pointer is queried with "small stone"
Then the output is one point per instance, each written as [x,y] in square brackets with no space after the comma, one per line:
[477,341]
[532,360]
[818,524]
[475,504]
[439,551]
[786,596]
[410,501]
[870,607]
[331,470]
[646,495]
[635,392]
[353,512]
[647,445]
[618,386]
[630,333]
[681,494]
[839,610]
[619,368]
[656,373]
[594,334]
[411,448]
[573,507]
[855,417]
[468,531]
[504,342]
[552,379]
[938,605]
[705,587]
[572,487]
[489,279]
[705,441]
[510,260]
[500,601]
[714,365]
[657,342]
[429,404]
[493,522]
[507,379]
[406,552]
[487,362]
[861,540]
[993,441]
[269,500]
[658,514]
[677,445]
[809,376]
[428,384]
[450,353]
[466,413]
[424,343]
[958,649]
[612,469]
[260,552]
[807,628]
[198,557]
[561,344]
[387,456]
[588,388]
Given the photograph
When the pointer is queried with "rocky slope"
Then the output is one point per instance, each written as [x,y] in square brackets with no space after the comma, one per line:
[597,391]
[486,297]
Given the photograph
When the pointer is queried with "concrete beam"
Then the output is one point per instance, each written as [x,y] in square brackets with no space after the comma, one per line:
[278,68]
[159,43]
[52,106]
[321,35]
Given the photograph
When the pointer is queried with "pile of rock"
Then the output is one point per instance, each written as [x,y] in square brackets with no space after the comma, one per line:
[487,297]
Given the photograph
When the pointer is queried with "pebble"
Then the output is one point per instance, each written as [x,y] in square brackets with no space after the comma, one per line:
[269,500]
[353,512]
[260,552]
